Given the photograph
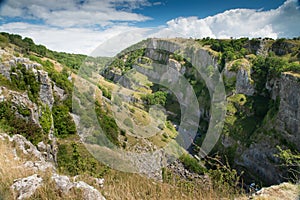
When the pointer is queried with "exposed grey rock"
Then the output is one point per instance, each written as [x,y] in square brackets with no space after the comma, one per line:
[288,120]
[243,82]
[149,164]
[22,100]
[178,168]
[259,159]
[41,146]
[174,64]
[46,94]
[229,74]
[286,191]
[59,92]
[89,192]
[64,184]
[5,70]
[25,187]
[37,166]
[26,147]
[21,60]
[100,181]
[156,55]
[263,49]
[273,86]
[76,118]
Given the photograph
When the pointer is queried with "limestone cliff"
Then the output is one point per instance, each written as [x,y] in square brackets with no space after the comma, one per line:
[288,120]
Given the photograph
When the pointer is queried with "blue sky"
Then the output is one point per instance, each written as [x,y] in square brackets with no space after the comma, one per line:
[79,26]
[170,9]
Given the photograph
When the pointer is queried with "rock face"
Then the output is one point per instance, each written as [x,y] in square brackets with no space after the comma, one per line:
[20,100]
[25,187]
[64,184]
[259,159]
[243,82]
[273,86]
[46,94]
[288,120]
[5,70]
[176,65]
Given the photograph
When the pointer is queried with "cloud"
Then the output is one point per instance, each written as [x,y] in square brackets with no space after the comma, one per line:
[81,28]
[73,40]
[280,22]
[80,13]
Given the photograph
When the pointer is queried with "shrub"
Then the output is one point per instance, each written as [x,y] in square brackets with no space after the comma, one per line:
[25,80]
[16,125]
[63,122]
[290,161]
[108,124]
[46,118]
[191,164]
[73,159]
[155,98]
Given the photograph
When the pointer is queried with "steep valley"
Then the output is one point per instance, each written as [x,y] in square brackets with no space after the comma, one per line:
[164,119]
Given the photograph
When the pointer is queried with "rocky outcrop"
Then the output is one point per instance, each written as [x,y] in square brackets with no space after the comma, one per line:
[288,120]
[273,86]
[244,84]
[178,168]
[64,184]
[5,70]
[60,93]
[20,100]
[259,160]
[176,65]
[89,192]
[149,164]
[161,56]
[46,94]
[281,47]
[285,191]
[25,187]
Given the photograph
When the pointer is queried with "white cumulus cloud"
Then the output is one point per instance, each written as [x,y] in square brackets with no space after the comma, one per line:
[280,22]
[78,27]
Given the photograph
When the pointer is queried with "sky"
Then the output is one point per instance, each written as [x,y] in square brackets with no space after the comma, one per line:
[80,26]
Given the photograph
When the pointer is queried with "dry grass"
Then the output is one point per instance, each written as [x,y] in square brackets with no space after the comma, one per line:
[11,169]
[133,187]
[117,185]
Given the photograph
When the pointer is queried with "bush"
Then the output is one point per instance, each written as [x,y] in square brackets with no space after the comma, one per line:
[155,98]
[25,80]
[73,159]
[105,92]
[290,161]
[16,125]
[191,164]
[224,179]
[108,124]
[63,122]
[46,119]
